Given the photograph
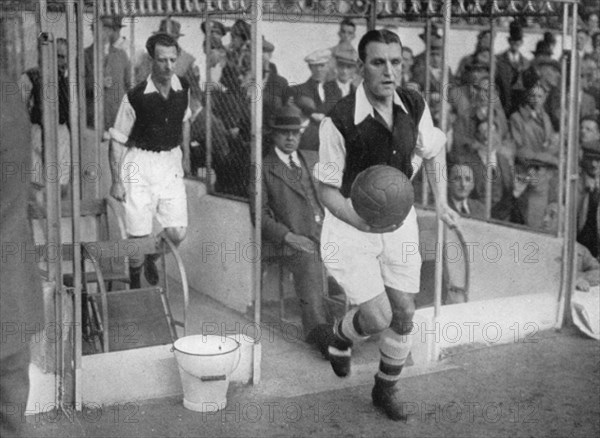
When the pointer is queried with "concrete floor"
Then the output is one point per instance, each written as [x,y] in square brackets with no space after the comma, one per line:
[547,388]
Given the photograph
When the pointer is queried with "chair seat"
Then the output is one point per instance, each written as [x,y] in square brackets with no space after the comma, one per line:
[91,277]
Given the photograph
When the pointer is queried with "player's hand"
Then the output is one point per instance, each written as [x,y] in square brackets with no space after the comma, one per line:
[117,191]
[582,285]
[449,216]
[300,243]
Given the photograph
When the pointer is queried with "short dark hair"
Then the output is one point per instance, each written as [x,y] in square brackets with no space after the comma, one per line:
[347,22]
[376,36]
[164,39]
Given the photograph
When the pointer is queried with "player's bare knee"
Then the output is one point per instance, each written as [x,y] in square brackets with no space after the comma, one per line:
[375,315]
[402,316]
[176,234]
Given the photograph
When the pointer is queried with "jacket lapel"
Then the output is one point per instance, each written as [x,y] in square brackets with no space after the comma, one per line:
[279,170]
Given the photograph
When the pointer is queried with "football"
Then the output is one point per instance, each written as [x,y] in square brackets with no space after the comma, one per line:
[382,195]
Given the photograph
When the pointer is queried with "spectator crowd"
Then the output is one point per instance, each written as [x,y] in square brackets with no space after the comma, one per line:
[518,156]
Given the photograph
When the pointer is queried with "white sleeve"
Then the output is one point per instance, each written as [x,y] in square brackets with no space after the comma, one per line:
[188,112]
[431,140]
[124,122]
[332,155]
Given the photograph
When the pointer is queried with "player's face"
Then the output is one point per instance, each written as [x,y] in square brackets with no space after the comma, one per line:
[286,140]
[163,65]
[345,72]
[382,69]
[461,182]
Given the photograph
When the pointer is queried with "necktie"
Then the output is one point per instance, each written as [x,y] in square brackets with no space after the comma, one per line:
[304,179]
[293,165]
[463,209]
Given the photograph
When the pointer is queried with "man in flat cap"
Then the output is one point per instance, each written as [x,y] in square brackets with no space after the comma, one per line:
[346,34]
[116,74]
[346,62]
[511,64]
[316,101]
[292,216]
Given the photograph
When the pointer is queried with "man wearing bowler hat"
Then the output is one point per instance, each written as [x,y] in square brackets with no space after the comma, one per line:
[292,217]
[116,73]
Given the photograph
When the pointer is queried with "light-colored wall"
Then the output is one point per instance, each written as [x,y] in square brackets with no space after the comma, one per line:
[505,261]
[219,258]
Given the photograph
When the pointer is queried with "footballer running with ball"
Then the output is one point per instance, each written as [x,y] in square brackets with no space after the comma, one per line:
[378,124]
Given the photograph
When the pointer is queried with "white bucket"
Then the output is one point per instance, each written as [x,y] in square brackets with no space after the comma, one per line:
[205,364]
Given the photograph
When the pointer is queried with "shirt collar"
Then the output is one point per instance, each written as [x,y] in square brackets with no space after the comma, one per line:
[286,157]
[151,87]
[363,107]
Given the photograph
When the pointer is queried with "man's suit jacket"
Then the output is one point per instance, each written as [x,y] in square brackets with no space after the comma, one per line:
[116,65]
[274,93]
[285,207]
[333,93]
[310,137]
[509,79]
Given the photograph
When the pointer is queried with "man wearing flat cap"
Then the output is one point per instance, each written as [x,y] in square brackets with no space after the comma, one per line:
[313,90]
[589,184]
[116,73]
[346,62]
[511,65]
[292,216]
